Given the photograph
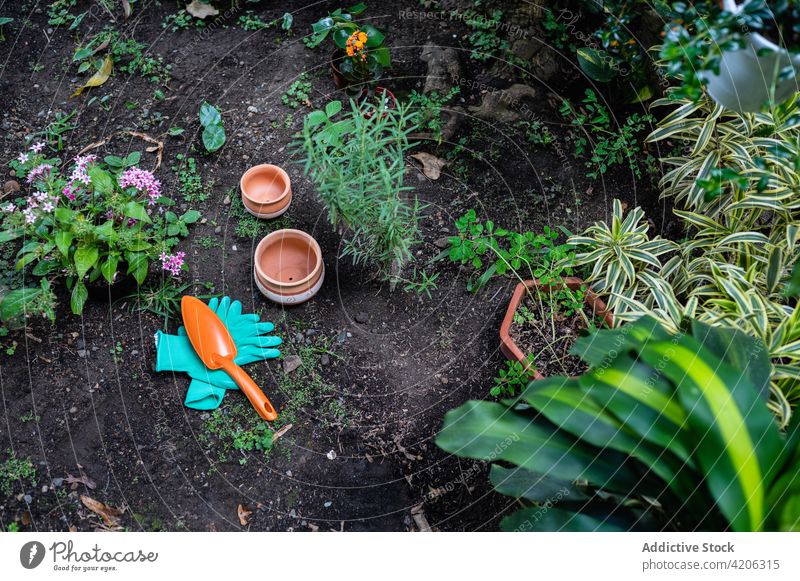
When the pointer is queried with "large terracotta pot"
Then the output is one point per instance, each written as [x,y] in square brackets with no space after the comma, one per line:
[288,267]
[746,75]
[266,190]
[507,345]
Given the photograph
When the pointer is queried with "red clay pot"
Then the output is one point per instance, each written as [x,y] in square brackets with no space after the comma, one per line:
[288,266]
[339,79]
[507,345]
[380,93]
[266,190]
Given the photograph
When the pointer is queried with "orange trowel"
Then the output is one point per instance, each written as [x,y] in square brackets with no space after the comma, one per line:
[214,345]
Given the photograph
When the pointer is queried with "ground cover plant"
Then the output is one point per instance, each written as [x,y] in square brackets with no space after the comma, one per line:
[506,143]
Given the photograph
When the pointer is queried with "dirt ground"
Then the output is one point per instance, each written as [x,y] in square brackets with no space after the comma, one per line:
[80,397]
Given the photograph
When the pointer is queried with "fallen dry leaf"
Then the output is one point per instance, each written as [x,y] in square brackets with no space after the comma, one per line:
[126,9]
[431,165]
[109,514]
[244,514]
[200,9]
[83,479]
[99,77]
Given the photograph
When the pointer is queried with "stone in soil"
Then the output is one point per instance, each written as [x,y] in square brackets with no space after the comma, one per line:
[361,317]
[291,363]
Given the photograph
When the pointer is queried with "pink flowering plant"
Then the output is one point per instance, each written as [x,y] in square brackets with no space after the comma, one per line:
[92,221]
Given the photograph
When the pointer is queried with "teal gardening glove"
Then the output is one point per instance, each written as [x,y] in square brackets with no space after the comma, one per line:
[175,353]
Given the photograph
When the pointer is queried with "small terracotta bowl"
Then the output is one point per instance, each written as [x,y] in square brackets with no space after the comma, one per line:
[266,190]
[288,267]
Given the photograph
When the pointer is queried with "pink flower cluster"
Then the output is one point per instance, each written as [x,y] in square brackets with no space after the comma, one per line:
[172,262]
[40,171]
[79,176]
[142,180]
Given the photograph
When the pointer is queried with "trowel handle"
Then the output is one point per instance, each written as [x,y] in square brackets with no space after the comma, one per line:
[249,388]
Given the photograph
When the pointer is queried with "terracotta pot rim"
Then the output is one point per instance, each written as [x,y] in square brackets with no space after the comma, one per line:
[289,290]
[290,298]
[291,231]
[259,168]
[269,215]
[507,344]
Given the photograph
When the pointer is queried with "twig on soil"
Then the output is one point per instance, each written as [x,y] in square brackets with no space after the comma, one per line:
[419,518]
[279,434]
[158,146]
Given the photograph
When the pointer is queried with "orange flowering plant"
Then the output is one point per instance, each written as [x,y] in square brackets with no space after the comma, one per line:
[364,55]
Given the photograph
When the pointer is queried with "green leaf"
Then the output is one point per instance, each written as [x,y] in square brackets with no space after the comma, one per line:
[78,297]
[357,9]
[490,431]
[333,108]
[8,235]
[136,211]
[109,268]
[375,37]
[340,36]
[288,19]
[209,115]
[15,303]
[551,519]
[85,258]
[735,454]
[317,117]
[597,64]
[213,137]
[191,216]
[323,25]
[102,181]
[64,214]
[382,56]
[140,272]
[521,483]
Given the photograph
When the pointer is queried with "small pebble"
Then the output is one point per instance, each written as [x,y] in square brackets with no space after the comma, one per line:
[81,352]
[11,186]
[444,380]
[73,410]
[341,337]
[331,455]
[291,363]
[328,503]
[289,473]
[227,200]
[27,498]
[234,248]
[325,359]
[443,242]
[218,230]
[361,317]
[252,109]
[45,488]
[58,482]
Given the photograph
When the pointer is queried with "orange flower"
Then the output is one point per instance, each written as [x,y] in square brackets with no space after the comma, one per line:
[362,36]
[358,44]
[350,51]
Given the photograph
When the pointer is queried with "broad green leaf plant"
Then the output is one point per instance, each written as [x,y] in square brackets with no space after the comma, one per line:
[666,431]
[99,222]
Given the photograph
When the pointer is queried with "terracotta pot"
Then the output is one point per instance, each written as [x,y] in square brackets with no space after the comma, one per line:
[378,94]
[266,190]
[288,267]
[339,79]
[507,345]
